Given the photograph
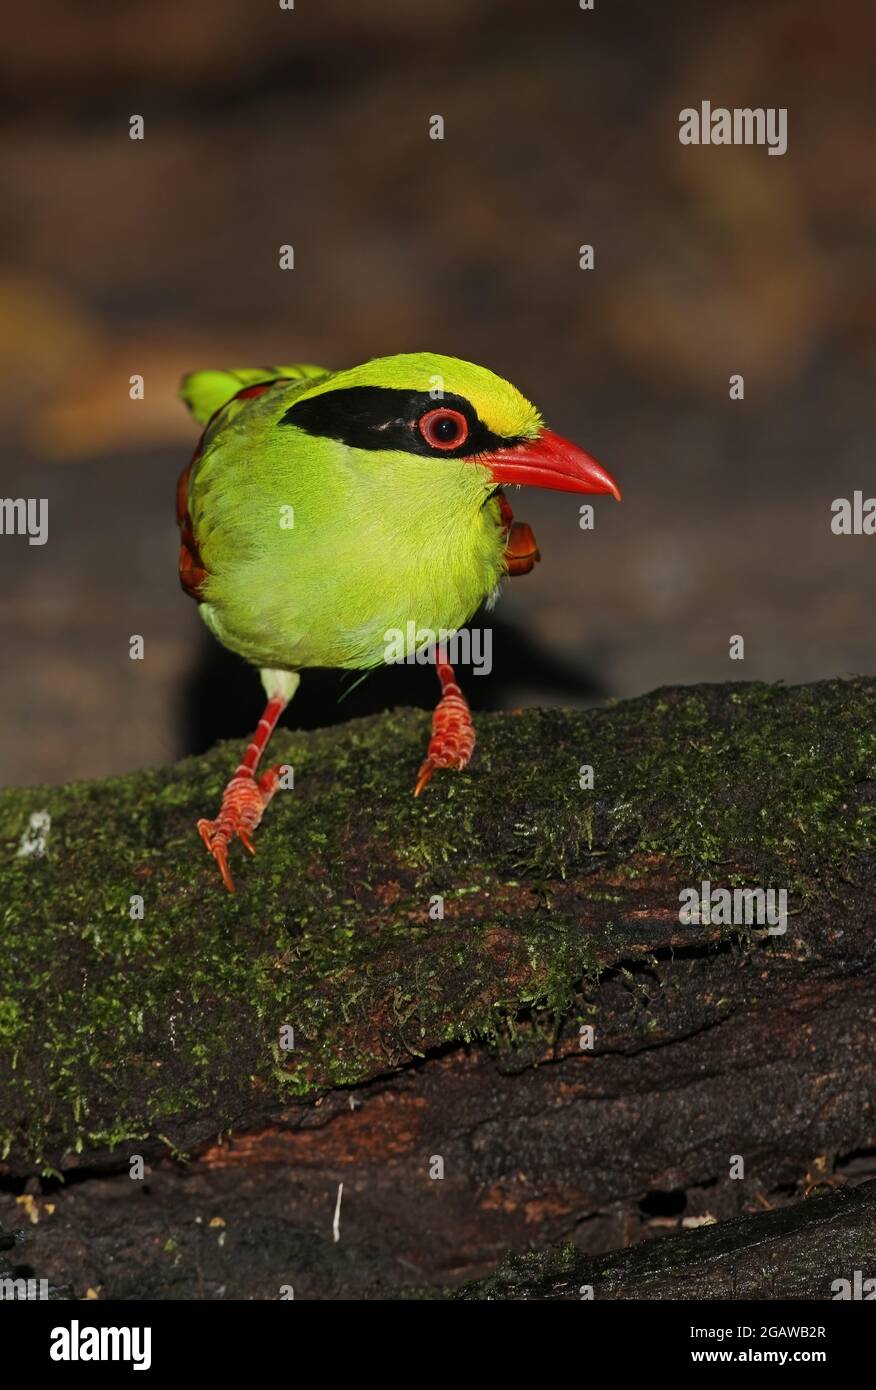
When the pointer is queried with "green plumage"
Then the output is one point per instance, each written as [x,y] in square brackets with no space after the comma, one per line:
[315,550]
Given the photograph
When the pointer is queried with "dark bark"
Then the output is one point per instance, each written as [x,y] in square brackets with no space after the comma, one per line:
[458,1039]
[823,1248]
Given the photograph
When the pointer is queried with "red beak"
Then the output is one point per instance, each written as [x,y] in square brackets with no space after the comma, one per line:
[552,462]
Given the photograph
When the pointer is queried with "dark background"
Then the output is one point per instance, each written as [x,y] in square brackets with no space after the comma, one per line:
[311,127]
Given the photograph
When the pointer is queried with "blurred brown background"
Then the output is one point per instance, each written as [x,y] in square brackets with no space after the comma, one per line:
[310,126]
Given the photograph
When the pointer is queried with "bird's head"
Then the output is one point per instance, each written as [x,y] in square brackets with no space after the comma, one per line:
[457,414]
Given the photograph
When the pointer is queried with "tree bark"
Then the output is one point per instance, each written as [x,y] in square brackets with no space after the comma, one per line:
[731,1069]
[822,1248]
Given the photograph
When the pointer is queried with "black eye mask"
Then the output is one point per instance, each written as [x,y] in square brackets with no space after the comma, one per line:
[381,417]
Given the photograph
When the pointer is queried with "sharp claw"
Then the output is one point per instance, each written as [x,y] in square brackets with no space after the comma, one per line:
[243,837]
[220,854]
[425,773]
[207,831]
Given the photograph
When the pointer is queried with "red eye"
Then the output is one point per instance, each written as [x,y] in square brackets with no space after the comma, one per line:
[443,428]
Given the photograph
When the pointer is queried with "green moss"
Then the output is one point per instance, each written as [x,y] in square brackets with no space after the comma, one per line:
[114,1031]
[529,1275]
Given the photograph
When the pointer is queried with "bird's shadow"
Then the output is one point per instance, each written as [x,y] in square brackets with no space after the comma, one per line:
[223,697]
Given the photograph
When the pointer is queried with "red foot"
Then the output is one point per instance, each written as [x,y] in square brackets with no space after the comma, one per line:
[521,550]
[453,736]
[243,805]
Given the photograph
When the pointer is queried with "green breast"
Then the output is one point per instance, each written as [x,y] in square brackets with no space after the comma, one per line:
[319,555]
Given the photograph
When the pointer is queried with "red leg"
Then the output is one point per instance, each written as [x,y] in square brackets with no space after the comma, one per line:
[244,800]
[453,736]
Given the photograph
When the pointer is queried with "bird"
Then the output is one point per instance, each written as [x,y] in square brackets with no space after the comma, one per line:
[323,510]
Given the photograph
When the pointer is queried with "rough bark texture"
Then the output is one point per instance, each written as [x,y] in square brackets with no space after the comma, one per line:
[420,1038]
[808,1251]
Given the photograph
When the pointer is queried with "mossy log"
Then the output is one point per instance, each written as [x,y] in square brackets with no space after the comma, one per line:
[420,1037]
[812,1250]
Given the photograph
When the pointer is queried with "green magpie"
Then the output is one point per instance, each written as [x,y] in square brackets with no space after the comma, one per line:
[323,510]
